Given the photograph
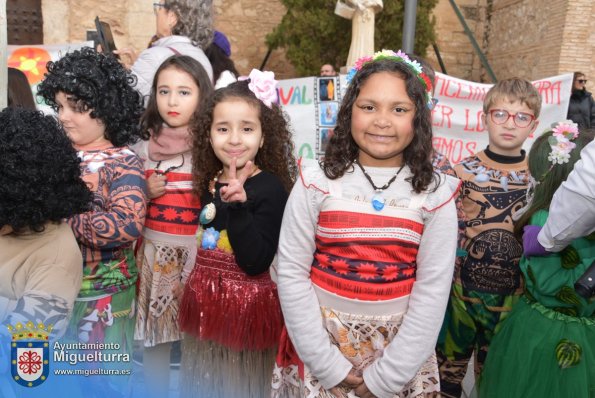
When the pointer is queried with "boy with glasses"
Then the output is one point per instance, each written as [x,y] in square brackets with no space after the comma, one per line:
[581,108]
[487,279]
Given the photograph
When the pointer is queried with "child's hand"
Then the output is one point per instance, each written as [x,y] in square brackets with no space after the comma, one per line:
[352,380]
[156,185]
[362,391]
[127,56]
[234,190]
[178,290]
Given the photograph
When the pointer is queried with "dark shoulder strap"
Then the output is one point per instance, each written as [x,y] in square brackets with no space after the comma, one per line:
[174,51]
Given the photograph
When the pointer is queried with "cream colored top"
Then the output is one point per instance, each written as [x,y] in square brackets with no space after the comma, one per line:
[40,277]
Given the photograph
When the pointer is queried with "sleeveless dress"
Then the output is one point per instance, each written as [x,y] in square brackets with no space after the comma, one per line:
[546,347]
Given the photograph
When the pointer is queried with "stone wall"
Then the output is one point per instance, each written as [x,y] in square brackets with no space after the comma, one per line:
[528,38]
[455,48]
[245,22]
[533,39]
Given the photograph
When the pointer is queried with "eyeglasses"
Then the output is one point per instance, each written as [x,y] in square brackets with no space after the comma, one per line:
[157,6]
[520,119]
[582,81]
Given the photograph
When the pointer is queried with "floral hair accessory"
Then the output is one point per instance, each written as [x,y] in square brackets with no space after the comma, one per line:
[398,56]
[263,85]
[560,141]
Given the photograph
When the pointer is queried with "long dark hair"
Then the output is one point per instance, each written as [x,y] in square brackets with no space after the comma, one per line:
[549,180]
[219,61]
[19,90]
[151,121]
[275,156]
[342,150]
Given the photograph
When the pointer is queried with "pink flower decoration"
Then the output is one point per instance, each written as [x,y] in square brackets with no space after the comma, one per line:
[566,128]
[361,61]
[262,84]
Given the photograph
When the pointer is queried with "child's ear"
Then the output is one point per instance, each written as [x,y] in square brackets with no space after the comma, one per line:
[483,118]
[261,142]
[535,124]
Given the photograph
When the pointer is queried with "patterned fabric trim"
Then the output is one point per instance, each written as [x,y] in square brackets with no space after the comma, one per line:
[178,210]
[362,340]
[365,256]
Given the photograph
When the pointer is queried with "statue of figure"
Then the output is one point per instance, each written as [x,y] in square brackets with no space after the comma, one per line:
[361,13]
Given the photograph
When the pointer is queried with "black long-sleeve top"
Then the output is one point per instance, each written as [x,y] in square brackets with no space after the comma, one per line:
[253,227]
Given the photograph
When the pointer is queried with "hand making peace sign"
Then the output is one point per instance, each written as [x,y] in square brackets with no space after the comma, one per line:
[234,190]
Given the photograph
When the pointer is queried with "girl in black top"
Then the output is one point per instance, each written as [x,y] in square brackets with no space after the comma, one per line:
[243,167]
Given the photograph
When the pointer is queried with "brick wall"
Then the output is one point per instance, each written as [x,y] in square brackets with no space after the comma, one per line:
[528,38]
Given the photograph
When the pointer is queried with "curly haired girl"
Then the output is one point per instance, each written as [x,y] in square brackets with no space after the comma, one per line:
[243,168]
[367,246]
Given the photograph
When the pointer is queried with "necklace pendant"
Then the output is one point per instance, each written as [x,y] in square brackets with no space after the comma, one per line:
[208,213]
[378,201]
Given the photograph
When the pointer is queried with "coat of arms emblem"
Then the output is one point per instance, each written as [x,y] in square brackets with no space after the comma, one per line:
[30,353]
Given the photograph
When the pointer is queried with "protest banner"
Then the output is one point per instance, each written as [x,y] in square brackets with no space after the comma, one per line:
[312,104]
[457,122]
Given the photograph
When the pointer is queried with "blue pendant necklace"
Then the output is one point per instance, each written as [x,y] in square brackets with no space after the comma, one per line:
[378,200]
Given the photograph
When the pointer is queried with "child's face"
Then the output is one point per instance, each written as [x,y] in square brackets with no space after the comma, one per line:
[507,138]
[382,120]
[236,132]
[177,96]
[82,129]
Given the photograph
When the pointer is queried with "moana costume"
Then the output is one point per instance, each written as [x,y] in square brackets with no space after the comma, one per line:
[363,289]
[230,308]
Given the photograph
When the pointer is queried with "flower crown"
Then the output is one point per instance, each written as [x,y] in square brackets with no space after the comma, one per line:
[563,133]
[398,56]
[560,143]
[263,85]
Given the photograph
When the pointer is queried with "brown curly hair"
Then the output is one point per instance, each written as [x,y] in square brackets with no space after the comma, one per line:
[275,156]
[342,150]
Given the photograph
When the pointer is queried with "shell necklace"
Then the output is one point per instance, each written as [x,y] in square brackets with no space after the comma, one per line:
[208,213]
[378,200]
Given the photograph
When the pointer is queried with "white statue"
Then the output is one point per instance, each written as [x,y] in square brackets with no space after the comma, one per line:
[361,13]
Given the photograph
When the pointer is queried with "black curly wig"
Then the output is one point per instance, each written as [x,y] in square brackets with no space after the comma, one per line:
[342,150]
[98,83]
[40,180]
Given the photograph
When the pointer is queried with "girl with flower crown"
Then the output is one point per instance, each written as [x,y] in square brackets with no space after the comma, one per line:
[367,246]
[243,168]
[545,346]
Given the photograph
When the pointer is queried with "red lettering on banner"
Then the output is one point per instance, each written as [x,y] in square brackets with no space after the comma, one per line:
[550,92]
[473,125]
[455,149]
[285,100]
[464,91]
[438,117]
